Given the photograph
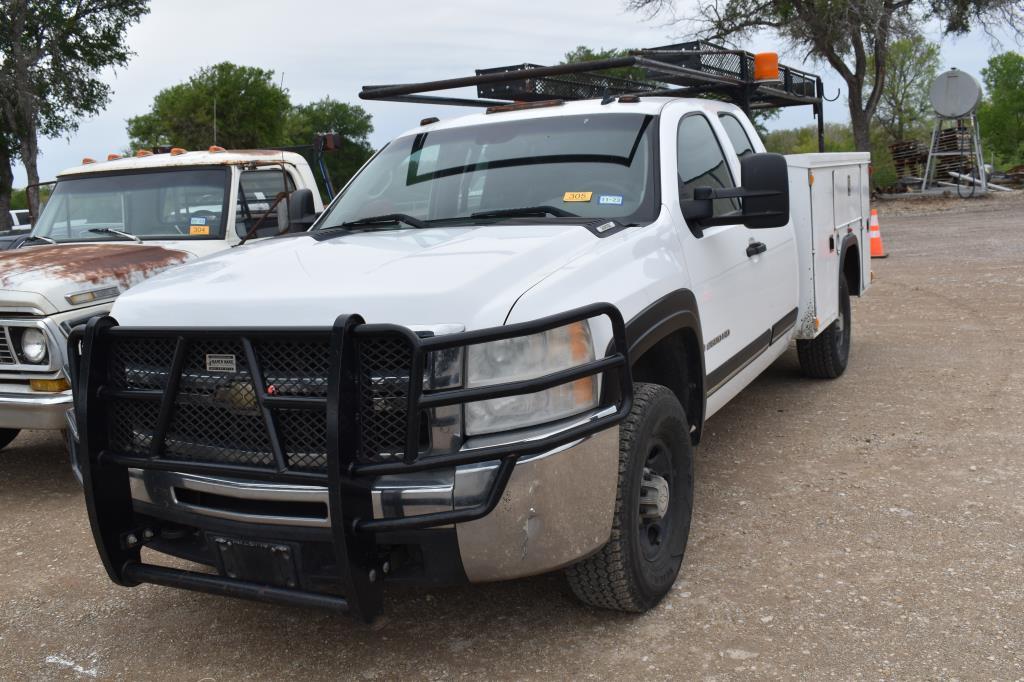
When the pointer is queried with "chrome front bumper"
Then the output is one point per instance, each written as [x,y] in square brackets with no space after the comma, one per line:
[33,410]
[556,509]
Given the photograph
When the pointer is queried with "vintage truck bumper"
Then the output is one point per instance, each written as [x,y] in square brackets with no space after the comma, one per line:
[31,410]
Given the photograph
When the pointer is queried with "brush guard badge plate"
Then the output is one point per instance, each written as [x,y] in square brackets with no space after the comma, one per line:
[348,474]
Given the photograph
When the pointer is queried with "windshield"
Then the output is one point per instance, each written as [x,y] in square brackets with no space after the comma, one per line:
[596,166]
[174,204]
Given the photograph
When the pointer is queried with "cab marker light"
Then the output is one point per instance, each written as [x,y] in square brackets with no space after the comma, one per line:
[215,149]
[428,120]
[90,295]
[87,160]
[176,151]
[114,157]
[142,153]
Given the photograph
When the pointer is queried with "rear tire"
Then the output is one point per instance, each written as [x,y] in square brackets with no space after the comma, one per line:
[826,356]
[6,436]
[641,560]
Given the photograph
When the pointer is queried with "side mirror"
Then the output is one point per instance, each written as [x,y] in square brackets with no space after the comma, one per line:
[764,191]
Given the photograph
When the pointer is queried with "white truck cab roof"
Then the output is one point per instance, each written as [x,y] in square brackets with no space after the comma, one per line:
[197,158]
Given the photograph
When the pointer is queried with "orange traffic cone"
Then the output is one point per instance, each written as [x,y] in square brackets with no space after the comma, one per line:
[877,250]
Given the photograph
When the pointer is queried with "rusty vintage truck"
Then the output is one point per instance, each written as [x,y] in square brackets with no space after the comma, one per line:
[109,225]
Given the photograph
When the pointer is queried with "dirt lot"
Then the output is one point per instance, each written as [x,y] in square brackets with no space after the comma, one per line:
[866,527]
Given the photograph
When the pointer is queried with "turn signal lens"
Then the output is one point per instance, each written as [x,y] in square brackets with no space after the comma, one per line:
[49,385]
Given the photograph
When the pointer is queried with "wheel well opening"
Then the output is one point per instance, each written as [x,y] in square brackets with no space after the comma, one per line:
[674,362]
[851,269]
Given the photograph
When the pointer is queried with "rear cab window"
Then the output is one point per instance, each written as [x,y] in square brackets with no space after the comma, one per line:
[741,143]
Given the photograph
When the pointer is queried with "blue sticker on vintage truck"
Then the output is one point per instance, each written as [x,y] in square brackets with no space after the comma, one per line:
[614,199]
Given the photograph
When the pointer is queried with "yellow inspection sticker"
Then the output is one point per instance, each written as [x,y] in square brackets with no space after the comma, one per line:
[199,230]
[577,196]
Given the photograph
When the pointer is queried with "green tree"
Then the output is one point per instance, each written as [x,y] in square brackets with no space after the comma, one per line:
[845,34]
[586,54]
[1001,115]
[327,115]
[904,109]
[51,52]
[236,107]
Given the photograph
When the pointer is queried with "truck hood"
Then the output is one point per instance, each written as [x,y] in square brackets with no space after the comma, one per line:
[53,271]
[460,275]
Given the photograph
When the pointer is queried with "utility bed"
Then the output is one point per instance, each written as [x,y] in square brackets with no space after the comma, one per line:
[829,206]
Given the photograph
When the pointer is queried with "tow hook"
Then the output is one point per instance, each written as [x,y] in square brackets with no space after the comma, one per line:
[654,496]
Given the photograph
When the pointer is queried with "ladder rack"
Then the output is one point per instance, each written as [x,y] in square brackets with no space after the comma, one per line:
[692,69]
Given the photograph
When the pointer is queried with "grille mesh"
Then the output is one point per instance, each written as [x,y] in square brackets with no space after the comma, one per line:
[216,415]
[384,367]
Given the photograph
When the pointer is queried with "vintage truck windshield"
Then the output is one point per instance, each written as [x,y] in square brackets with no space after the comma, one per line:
[172,204]
[596,166]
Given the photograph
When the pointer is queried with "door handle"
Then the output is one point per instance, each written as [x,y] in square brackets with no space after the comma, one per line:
[755,248]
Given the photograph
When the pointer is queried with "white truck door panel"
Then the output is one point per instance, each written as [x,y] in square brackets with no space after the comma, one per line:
[732,289]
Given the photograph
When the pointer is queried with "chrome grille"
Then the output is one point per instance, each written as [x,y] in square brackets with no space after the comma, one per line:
[6,352]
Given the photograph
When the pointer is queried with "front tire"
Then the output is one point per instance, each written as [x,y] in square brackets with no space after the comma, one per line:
[653,508]
[826,356]
[6,436]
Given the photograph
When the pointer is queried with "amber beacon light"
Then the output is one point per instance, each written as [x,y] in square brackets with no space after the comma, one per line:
[766,66]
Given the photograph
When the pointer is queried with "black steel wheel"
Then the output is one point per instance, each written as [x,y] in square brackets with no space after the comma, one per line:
[653,507]
[6,436]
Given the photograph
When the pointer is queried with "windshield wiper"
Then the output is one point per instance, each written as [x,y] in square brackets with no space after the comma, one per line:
[119,233]
[524,212]
[388,218]
[42,239]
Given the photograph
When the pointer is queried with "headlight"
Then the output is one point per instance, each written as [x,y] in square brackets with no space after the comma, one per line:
[33,346]
[530,357]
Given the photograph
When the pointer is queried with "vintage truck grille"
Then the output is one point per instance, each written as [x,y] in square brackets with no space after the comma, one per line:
[6,352]
[216,414]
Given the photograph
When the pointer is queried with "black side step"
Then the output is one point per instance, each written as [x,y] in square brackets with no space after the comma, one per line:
[213,584]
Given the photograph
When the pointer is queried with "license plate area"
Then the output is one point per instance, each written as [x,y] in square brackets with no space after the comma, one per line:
[266,563]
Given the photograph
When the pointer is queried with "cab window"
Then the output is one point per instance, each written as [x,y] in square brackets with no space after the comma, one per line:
[737,135]
[701,162]
[257,190]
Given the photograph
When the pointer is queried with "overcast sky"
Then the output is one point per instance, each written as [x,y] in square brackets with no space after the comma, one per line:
[333,48]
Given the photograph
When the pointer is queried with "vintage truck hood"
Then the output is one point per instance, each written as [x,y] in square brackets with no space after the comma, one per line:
[46,274]
[465,275]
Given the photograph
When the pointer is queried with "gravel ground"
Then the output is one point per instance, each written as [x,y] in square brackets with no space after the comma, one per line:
[865,527]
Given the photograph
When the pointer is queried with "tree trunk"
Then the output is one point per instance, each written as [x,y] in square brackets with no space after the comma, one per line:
[29,159]
[6,183]
[860,121]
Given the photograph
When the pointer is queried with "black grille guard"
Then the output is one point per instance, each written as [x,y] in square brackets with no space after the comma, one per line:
[348,480]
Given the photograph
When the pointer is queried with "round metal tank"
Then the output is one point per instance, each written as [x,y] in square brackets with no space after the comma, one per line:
[955,94]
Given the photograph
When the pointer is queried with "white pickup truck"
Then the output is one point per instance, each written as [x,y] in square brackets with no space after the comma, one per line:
[109,225]
[491,357]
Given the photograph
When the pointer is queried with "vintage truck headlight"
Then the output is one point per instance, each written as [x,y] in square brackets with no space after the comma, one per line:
[33,346]
[530,357]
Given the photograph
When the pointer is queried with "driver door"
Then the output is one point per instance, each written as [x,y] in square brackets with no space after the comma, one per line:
[721,259]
